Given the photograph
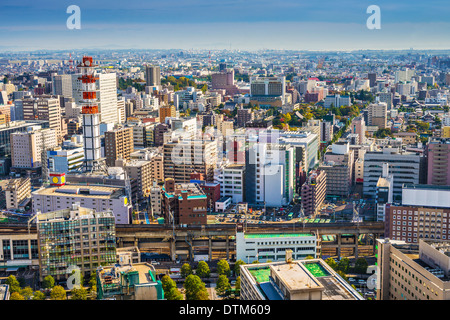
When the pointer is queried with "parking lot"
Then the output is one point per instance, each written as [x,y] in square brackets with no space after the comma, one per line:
[30,277]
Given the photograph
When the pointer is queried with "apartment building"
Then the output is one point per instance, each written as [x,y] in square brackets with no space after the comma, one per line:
[17,190]
[313,192]
[438,151]
[118,144]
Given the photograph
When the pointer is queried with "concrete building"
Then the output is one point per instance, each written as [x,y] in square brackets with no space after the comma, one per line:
[118,144]
[62,85]
[98,197]
[75,236]
[244,116]
[140,170]
[268,91]
[17,190]
[313,192]
[272,246]
[60,159]
[384,192]
[166,112]
[438,151]
[294,280]
[404,166]
[153,76]
[377,115]
[358,127]
[45,108]
[232,182]
[184,203]
[19,251]
[338,166]
[181,158]
[337,101]
[27,147]
[413,272]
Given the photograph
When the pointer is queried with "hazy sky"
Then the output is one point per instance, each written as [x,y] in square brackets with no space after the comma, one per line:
[221,24]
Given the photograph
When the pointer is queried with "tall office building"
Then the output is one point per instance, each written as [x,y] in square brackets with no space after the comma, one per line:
[358,127]
[118,144]
[372,79]
[62,85]
[75,236]
[404,166]
[438,161]
[27,147]
[45,108]
[153,76]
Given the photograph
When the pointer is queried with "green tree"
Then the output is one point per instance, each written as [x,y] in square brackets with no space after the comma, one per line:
[38,295]
[185,270]
[309,257]
[255,261]
[344,264]
[342,274]
[237,267]
[202,270]
[27,293]
[361,265]
[195,288]
[330,261]
[5,80]
[287,117]
[13,284]
[223,268]
[49,282]
[58,293]
[93,280]
[79,294]
[16,296]
[237,285]
[171,291]
[222,285]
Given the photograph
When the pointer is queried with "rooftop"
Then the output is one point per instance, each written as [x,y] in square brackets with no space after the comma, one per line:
[82,191]
[276,235]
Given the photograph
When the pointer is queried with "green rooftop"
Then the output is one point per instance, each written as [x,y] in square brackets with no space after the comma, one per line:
[260,274]
[316,269]
[276,235]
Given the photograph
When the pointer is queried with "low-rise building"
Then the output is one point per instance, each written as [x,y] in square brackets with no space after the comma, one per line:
[17,191]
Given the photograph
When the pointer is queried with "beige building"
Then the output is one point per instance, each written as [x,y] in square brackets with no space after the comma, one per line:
[182,158]
[413,272]
[140,170]
[19,250]
[44,108]
[16,191]
[377,115]
[118,144]
[407,137]
[27,147]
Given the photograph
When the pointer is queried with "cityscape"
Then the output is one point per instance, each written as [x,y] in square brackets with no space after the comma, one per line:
[227,174]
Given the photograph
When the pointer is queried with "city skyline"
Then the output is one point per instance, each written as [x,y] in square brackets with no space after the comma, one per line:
[249,25]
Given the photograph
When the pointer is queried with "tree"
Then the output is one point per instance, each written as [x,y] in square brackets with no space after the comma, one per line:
[255,261]
[330,261]
[16,296]
[186,270]
[27,293]
[202,270]
[223,268]
[49,282]
[171,291]
[79,294]
[342,274]
[38,295]
[361,265]
[237,267]
[13,284]
[93,280]
[237,285]
[309,257]
[344,264]
[195,288]
[58,293]
[222,285]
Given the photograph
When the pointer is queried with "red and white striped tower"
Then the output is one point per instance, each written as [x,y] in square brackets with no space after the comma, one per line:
[91,122]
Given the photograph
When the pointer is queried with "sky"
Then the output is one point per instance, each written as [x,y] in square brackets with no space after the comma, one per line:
[224,24]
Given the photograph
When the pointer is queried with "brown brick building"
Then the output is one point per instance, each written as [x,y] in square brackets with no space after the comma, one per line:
[118,144]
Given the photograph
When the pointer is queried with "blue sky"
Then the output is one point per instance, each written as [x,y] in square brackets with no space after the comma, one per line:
[214,24]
